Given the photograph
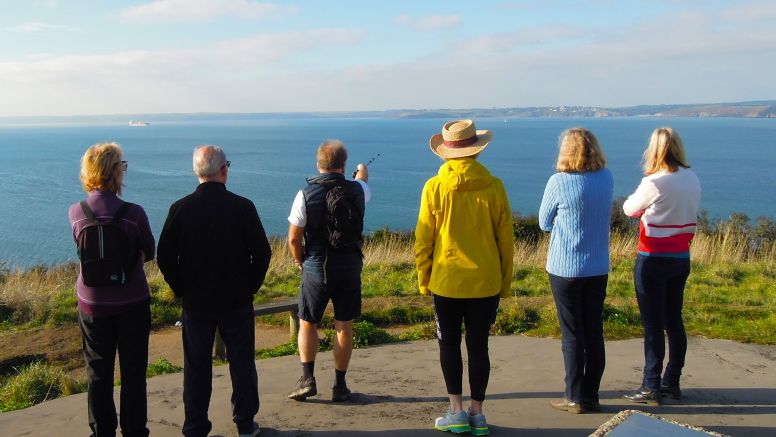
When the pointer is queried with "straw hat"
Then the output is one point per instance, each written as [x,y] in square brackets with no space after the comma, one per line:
[459,139]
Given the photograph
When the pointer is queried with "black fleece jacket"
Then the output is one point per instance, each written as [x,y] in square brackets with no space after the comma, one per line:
[213,251]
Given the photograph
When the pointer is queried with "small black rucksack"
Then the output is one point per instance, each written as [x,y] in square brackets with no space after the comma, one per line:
[105,250]
[344,218]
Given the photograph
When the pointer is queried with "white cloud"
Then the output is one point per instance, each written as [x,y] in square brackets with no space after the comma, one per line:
[200,10]
[159,81]
[35,27]
[429,23]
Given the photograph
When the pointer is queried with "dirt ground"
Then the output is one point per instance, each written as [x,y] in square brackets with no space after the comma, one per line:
[62,345]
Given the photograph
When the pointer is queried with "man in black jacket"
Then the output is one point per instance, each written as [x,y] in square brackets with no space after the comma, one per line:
[214,254]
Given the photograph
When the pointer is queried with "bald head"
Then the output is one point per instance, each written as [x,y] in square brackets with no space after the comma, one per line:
[210,164]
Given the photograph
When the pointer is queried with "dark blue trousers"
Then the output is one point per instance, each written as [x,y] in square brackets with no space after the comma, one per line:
[660,285]
[102,337]
[580,303]
[237,330]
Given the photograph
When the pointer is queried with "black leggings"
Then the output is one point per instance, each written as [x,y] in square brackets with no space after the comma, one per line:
[477,315]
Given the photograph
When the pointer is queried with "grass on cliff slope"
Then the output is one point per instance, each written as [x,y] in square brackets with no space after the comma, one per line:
[731,292]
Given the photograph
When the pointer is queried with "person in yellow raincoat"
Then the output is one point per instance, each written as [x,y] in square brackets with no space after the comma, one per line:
[464,245]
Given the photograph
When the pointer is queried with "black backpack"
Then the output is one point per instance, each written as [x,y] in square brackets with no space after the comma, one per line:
[344,218]
[105,250]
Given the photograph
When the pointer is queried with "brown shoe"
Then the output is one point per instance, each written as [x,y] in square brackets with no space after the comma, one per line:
[564,404]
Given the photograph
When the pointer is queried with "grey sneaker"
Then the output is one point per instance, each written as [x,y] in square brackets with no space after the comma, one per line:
[304,389]
[457,423]
[478,424]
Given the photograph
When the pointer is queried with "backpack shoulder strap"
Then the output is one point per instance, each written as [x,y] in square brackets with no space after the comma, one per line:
[88,212]
[120,212]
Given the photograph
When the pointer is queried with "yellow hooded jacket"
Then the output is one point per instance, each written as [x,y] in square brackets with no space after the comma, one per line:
[464,240]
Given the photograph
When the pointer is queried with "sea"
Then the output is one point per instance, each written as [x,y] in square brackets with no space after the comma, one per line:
[735,159]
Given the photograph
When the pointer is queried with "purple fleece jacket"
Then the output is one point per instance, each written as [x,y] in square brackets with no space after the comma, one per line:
[108,301]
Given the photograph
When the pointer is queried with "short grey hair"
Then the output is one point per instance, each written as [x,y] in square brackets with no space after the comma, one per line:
[208,160]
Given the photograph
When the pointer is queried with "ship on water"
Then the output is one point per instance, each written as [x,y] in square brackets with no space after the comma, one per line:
[134,123]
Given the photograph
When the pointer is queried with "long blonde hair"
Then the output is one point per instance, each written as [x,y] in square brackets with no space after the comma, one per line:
[579,152]
[664,152]
[98,168]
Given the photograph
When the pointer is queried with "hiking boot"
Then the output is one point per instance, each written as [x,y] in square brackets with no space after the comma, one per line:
[671,392]
[478,425]
[644,396]
[457,423]
[564,404]
[252,433]
[304,389]
[340,394]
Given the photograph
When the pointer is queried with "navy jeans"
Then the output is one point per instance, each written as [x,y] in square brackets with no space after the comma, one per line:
[237,330]
[102,337]
[580,303]
[660,292]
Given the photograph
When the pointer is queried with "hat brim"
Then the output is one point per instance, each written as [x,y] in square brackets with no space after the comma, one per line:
[437,145]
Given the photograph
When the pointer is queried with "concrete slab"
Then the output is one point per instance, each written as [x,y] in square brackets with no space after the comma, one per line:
[728,387]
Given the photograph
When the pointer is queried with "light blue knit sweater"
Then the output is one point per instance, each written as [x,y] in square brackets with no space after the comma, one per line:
[576,209]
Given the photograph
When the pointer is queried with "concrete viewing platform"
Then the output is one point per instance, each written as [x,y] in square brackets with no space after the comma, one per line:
[728,387]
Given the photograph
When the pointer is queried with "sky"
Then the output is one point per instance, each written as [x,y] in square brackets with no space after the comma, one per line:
[90,57]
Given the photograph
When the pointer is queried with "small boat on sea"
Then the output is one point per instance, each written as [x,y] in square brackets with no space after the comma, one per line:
[134,123]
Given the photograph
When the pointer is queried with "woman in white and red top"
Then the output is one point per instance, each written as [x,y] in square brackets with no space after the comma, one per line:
[667,202]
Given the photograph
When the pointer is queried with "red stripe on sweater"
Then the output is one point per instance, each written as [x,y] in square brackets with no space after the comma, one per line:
[677,243]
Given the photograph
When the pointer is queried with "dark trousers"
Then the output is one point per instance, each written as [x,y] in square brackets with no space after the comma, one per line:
[660,292]
[477,315]
[580,303]
[102,337]
[237,330]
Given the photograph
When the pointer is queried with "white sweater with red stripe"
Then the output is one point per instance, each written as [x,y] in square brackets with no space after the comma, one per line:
[668,205]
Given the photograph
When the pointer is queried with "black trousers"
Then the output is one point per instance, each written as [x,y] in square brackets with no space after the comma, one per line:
[477,315]
[580,303]
[102,337]
[237,330]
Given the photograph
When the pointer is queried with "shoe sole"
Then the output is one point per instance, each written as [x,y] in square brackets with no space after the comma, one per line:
[479,431]
[652,403]
[455,429]
[671,396]
[300,397]
[340,398]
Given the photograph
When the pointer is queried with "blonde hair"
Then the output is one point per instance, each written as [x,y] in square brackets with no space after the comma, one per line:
[664,152]
[98,168]
[332,155]
[579,152]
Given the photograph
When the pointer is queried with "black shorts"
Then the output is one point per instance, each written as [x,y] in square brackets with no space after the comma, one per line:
[340,283]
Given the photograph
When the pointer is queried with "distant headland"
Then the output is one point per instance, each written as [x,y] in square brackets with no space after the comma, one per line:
[749,109]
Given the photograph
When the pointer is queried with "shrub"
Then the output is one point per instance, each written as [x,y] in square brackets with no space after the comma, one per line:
[161,367]
[366,334]
[526,227]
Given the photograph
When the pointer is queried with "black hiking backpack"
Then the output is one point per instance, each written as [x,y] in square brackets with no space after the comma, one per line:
[344,218]
[105,250]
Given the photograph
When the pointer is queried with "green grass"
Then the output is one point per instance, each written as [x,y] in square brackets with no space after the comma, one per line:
[35,383]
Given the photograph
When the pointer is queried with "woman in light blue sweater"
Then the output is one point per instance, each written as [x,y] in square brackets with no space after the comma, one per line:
[576,210]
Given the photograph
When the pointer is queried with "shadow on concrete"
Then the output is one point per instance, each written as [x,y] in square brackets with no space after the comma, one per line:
[494,431]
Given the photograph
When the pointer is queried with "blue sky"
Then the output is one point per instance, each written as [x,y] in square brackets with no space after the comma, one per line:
[71,57]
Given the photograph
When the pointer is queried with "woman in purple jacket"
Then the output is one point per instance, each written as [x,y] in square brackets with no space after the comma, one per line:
[114,317]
